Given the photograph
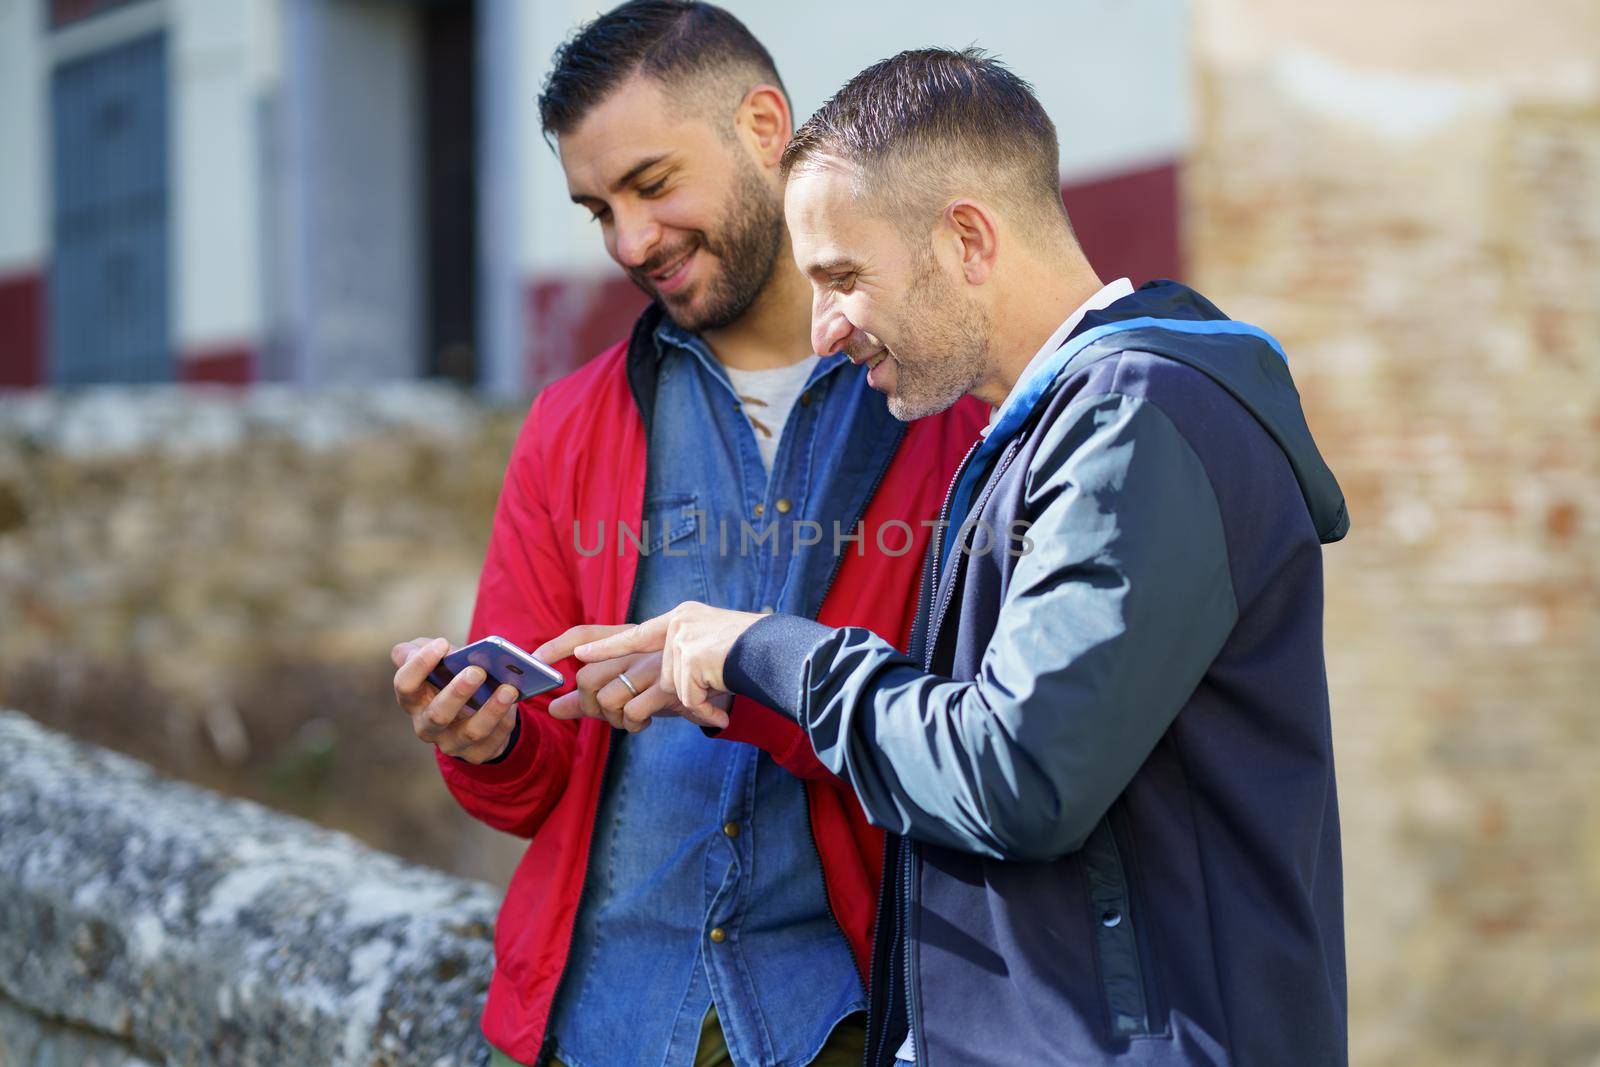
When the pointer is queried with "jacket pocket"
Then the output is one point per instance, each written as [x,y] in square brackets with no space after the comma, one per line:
[672,540]
[1125,985]
[670,519]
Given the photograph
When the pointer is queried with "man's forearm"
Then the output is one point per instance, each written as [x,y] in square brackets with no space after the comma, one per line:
[1105,631]
[847,688]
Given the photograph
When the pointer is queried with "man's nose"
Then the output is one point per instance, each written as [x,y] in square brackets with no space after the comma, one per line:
[637,236]
[829,327]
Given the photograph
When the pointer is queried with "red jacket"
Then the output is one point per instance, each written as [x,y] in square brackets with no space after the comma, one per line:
[581,456]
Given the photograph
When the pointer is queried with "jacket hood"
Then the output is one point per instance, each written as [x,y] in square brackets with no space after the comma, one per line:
[1174,321]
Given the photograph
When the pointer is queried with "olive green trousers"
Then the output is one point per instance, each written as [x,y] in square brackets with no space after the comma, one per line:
[845,1047]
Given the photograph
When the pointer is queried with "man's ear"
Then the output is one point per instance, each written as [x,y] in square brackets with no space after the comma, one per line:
[974,232]
[763,122]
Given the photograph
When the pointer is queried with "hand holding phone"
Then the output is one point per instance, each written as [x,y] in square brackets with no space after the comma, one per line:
[427,690]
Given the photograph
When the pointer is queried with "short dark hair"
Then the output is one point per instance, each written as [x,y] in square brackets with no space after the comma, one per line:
[910,124]
[676,42]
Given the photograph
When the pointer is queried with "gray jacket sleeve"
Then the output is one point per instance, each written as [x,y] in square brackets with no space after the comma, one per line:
[1107,626]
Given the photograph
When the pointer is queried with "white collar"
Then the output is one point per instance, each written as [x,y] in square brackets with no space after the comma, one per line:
[1108,295]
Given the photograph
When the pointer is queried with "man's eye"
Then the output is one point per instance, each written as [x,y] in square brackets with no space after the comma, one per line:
[600,215]
[653,188]
[842,283]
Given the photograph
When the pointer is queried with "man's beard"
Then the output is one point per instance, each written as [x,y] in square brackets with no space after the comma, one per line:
[746,248]
[946,340]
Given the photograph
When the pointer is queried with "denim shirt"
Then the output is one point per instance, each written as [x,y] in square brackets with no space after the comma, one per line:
[696,835]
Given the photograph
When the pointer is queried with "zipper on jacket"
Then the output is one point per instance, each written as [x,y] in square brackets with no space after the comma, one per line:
[816,850]
[879,1036]
[912,1004]
[1002,463]
[935,625]
[935,561]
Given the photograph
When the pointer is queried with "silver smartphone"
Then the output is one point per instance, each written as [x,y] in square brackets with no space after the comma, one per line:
[504,664]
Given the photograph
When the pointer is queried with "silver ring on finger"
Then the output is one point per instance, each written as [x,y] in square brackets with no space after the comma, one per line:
[623,678]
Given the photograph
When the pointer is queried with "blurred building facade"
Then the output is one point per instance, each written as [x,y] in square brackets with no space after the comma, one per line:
[346,191]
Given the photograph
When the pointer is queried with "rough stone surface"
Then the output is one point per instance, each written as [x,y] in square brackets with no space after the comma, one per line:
[30,1040]
[145,917]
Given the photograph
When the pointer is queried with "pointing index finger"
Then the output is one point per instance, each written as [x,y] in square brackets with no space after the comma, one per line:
[648,636]
[559,648]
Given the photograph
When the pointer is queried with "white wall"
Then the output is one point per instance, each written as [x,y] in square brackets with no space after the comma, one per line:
[1113,74]
[24,161]
[555,234]
[220,56]
[352,218]
[504,87]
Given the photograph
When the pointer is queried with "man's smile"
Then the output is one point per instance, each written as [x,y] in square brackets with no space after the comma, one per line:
[671,276]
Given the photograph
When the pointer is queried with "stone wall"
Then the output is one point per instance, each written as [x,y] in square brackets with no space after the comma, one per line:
[150,921]
[210,580]
[1409,196]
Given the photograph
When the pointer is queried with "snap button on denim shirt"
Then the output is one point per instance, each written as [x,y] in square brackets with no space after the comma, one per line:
[704,883]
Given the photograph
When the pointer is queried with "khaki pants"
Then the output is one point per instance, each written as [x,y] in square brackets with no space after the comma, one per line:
[845,1047]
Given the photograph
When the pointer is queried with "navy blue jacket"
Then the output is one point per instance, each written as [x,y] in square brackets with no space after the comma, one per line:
[1107,756]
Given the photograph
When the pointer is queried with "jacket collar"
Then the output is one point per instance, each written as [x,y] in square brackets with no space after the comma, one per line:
[642,360]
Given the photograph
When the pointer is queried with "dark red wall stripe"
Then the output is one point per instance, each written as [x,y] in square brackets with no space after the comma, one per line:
[228,364]
[22,329]
[1129,224]
[568,320]
[63,12]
